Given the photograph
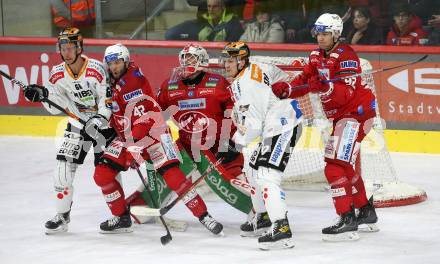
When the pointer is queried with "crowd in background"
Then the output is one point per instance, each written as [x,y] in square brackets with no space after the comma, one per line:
[366,22]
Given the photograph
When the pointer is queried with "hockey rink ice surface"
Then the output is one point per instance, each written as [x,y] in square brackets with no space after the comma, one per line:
[409,234]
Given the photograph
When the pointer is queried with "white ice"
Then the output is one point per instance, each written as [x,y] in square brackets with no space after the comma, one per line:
[409,234]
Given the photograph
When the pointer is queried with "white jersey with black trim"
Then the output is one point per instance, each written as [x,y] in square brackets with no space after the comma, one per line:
[258,113]
[85,95]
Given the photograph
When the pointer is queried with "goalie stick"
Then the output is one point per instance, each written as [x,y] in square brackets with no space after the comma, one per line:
[146,211]
[46,100]
[360,74]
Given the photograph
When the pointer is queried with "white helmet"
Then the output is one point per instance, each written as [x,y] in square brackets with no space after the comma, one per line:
[199,53]
[328,23]
[116,52]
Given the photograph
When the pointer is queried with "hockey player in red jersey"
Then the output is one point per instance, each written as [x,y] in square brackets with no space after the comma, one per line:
[142,135]
[203,117]
[350,105]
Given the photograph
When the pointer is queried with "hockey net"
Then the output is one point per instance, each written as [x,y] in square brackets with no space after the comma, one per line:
[306,166]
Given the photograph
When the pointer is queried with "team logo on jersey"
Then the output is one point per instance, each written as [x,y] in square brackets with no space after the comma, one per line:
[192,104]
[177,93]
[202,92]
[95,74]
[193,122]
[55,77]
[136,93]
[191,93]
[349,64]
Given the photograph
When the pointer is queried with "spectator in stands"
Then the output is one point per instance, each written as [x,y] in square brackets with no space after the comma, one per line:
[315,8]
[434,36]
[213,23]
[74,13]
[364,31]
[219,24]
[265,28]
[406,29]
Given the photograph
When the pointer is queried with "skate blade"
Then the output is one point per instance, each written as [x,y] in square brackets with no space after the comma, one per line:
[368,228]
[174,225]
[346,236]
[277,245]
[256,233]
[61,229]
[117,231]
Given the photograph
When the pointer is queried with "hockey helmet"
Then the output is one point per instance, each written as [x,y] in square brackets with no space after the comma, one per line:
[116,52]
[239,50]
[70,35]
[192,59]
[328,23]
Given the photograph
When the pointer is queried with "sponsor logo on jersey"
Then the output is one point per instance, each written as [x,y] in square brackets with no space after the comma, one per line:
[340,50]
[95,74]
[213,79]
[191,93]
[137,73]
[193,122]
[347,140]
[314,53]
[280,146]
[349,64]
[121,82]
[202,92]
[115,107]
[55,77]
[136,93]
[334,55]
[283,121]
[211,84]
[192,104]
[173,86]
[177,93]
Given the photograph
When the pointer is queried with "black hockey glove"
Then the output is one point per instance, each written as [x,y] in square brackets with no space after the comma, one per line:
[35,93]
[230,154]
[95,124]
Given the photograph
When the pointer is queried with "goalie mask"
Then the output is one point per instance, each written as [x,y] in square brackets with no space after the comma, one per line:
[328,23]
[192,59]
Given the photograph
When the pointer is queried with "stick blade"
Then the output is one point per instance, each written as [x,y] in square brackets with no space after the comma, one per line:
[144,211]
[165,239]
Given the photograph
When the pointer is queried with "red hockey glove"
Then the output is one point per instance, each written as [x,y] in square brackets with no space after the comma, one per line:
[281,89]
[315,85]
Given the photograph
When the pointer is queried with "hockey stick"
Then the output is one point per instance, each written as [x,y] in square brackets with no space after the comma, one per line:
[166,238]
[51,103]
[363,73]
[145,211]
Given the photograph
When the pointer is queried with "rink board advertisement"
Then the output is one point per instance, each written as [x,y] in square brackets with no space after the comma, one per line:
[408,97]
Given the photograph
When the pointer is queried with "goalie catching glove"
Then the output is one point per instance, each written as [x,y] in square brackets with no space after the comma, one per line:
[35,93]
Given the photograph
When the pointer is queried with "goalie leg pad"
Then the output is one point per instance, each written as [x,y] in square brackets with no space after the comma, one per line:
[63,185]
[105,177]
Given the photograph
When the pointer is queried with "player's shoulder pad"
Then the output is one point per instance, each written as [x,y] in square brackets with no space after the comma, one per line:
[57,73]
[95,69]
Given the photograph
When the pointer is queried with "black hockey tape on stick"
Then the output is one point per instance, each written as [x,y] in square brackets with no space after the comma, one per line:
[166,238]
[364,73]
[51,103]
[146,211]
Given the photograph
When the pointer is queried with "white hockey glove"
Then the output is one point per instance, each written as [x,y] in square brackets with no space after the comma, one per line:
[95,124]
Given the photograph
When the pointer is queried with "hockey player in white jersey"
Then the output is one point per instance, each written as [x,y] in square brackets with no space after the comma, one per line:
[260,116]
[79,84]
